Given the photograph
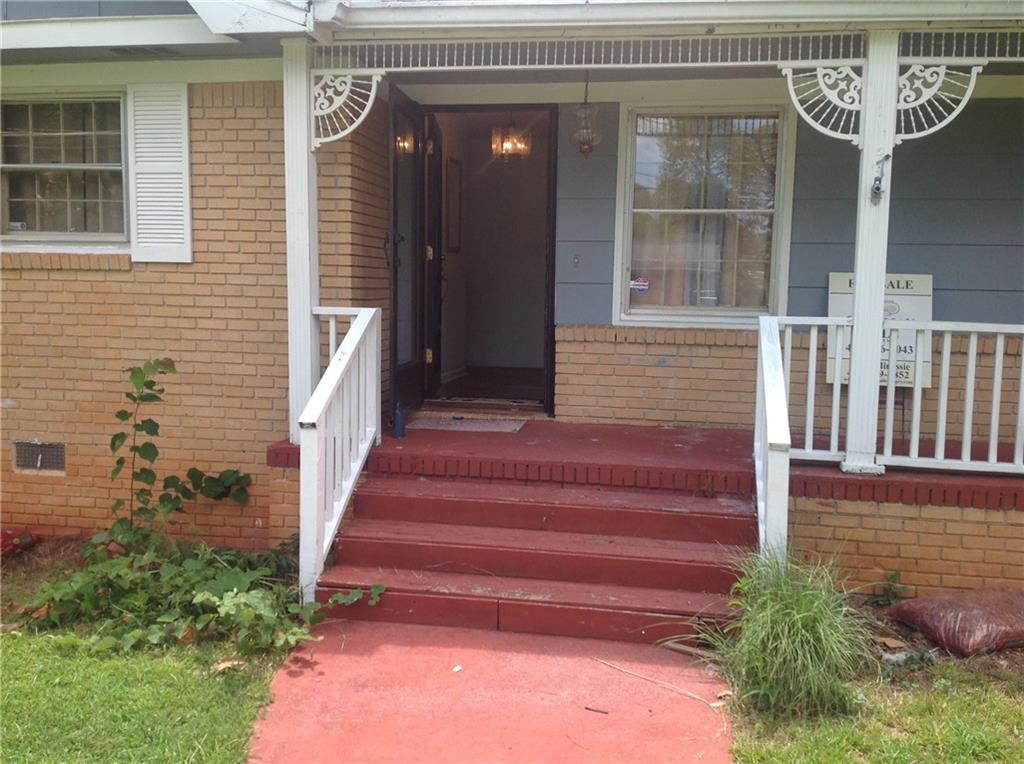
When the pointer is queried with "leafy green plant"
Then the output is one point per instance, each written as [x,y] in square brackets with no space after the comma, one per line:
[796,643]
[892,591]
[144,502]
[167,595]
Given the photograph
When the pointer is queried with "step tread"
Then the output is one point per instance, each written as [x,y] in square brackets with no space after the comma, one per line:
[538,541]
[594,496]
[531,590]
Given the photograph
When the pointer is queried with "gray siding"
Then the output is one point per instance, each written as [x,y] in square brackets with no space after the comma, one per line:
[21,10]
[585,221]
[957,213]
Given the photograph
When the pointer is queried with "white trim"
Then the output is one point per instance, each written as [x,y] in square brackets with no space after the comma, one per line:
[695,317]
[88,78]
[14,247]
[109,31]
[362,15]
[301,233]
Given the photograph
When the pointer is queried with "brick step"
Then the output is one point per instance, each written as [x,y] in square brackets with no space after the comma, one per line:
[597,510]
[562,556]
[433,597]
[566,469]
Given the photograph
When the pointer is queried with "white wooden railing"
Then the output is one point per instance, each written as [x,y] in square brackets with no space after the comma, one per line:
[988,378]
[771,441]
[822,398]
[338,427]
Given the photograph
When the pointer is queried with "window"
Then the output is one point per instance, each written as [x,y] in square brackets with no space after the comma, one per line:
[700,213]
[63,170]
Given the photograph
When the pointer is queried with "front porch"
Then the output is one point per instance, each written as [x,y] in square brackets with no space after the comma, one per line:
[654,320]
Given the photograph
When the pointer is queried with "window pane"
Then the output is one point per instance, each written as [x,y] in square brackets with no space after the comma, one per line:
[713,260]
[15,118]
[108,149]
[681,257]
[111,186]
[77,118]
[113,217]
[53,216]
[108,116]
[53,184]
[78,149]
[46,149]
[45,118]
[16,149]
[21,217]
[21,185]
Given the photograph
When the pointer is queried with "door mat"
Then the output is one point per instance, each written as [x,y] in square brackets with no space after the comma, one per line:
[468,425]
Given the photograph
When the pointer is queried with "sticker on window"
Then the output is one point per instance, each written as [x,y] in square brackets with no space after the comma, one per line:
[640,284]
[17,226]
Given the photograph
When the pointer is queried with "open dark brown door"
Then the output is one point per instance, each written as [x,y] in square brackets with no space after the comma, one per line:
[407,252]
[433,257]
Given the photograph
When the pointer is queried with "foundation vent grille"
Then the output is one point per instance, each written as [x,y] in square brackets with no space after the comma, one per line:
[33,456]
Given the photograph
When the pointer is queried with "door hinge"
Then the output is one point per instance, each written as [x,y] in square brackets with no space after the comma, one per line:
[430,253]
[428,356]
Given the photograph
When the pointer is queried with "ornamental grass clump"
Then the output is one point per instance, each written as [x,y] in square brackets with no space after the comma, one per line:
[797,642]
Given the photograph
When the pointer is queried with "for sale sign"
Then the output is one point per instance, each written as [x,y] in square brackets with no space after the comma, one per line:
[908,297]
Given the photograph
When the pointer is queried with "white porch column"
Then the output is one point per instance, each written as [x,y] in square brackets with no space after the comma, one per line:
[878,136]
[301,230]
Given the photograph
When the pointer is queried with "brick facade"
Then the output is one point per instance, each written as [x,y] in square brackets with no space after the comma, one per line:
[629,375]
[933,548]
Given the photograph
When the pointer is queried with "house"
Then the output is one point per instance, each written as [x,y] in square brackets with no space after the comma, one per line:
[667,235]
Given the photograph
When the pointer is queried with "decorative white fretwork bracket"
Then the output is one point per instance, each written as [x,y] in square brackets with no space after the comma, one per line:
[340,102]
[929,96]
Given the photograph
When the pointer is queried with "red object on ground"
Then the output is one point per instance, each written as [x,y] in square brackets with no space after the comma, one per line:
[14,540]
[967,623]
[380,692]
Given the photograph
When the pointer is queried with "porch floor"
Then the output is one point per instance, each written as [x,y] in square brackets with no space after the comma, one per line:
[383,692]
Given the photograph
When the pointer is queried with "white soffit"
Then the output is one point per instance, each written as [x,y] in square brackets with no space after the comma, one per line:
[232,17]
[108,32]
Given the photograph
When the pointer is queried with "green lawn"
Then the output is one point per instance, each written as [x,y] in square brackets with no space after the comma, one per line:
[950,712]
[61,702]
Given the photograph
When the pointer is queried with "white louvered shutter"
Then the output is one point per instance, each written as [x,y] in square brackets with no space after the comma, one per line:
[161,215]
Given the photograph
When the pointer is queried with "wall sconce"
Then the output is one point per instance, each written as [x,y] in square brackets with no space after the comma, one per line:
[404,144]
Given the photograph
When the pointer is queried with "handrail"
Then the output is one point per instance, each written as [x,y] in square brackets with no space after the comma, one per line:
[339,425]
[771,440]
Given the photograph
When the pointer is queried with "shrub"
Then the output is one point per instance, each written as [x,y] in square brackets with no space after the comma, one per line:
[797,642]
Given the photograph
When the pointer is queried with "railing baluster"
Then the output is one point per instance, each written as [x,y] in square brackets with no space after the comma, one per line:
[940,428]
[812,362]
[997,390]
[972,363]
[837,388]
[1018,448]
[915,420]
[890,396]
[332,331]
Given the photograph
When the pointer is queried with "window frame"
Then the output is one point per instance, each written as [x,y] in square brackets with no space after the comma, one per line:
[78,240]
[685,317]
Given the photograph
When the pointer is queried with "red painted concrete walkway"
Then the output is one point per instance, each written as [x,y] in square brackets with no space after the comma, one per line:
[381,692]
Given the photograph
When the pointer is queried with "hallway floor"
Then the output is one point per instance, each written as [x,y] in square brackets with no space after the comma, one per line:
[383,692]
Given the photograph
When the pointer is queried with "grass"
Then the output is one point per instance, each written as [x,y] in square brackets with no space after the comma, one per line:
[951,712]
[797,642]
[63,702]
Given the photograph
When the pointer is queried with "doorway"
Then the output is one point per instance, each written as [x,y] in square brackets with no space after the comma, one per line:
[474,314]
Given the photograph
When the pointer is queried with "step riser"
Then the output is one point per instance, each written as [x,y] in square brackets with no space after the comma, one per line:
[525,563]
[691,481]
[717,529]
[525,617]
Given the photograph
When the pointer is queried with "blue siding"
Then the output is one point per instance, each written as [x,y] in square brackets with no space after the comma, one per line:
[585,221]
[957,213]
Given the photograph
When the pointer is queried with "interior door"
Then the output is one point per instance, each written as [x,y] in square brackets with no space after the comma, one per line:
[407,252]
[433,257]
